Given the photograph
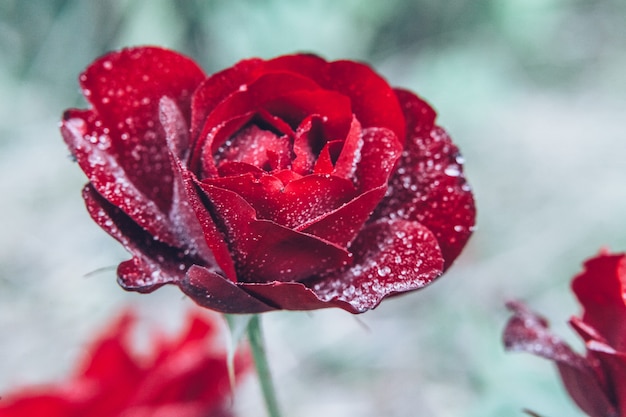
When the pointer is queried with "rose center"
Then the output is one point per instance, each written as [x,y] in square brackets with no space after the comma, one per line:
[258,147]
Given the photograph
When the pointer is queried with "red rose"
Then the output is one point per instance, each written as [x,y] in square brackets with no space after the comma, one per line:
[182,377]
[293,183]
[597,381]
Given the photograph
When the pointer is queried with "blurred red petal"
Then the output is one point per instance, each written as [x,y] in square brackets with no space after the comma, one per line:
[528,332]
[601,290]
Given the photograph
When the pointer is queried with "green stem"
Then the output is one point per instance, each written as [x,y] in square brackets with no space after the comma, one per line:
[255,336]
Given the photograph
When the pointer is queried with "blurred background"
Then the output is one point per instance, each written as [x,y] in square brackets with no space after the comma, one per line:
[532,91]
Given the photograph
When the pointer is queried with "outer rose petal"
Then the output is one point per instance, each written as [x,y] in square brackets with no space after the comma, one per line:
[154,263]
[125,88]
[601,290]
[390,258]
[428,185]
[215,292]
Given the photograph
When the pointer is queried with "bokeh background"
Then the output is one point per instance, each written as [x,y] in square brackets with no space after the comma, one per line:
[533,92]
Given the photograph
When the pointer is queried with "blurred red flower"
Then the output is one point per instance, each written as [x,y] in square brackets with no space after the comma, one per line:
[596,381]
[292,183]
[182,377]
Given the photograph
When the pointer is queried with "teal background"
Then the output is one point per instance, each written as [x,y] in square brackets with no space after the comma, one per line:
[532,91]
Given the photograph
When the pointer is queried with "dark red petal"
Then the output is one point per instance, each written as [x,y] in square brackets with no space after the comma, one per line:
[293,204]
[293,296]
[528,332]
[324,164]
[265,251]
[379,152]
[217,87]
[376,154]
[124,88]
[428,185]
[251,99]
[213,291]
[154,263]
[196,223]
[373,100]
[350,154]
[203,163]
[600,288]
[334,109]
[342,225]
[613,364]
[390,258]
[112,180]
[308,140]
[308,65]
[191,222]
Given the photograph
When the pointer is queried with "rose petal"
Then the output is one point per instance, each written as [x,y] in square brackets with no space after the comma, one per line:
[428,185]
[373,100]
[125,88]
[293,296]
[154,263]
[217,87]
[110,354]
[334,109]
[266,251]
[342,225]
[293,204]
[350,155]
[600,288]
[379,150]
[213,291]
[262,90]
[308,141]
[196,215]
[528,332]
[390,258]
[378,155]
[112,181]
[613,364]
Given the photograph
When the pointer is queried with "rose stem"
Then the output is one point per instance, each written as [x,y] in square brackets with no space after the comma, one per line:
[255,336]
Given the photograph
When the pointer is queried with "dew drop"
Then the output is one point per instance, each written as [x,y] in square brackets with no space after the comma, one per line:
[452,170]
[384,271]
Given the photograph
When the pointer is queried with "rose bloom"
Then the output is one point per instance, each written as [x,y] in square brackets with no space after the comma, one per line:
[596,381]
[182,377]
[291,183]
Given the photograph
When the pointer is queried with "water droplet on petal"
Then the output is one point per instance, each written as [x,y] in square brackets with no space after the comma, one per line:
[452,170]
